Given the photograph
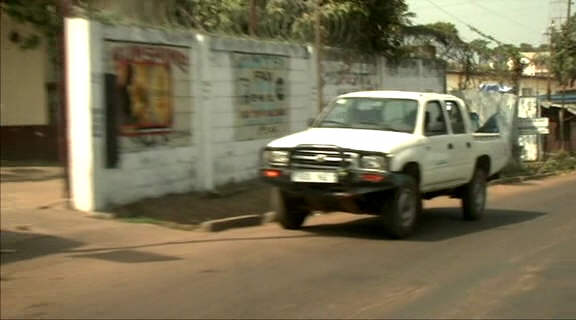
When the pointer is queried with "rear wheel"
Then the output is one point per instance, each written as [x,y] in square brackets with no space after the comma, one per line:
[474,196]
[402,209]
[290,210]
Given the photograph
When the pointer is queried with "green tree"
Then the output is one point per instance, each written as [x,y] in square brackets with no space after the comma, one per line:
[43,15]
[526,47]
[366,25]
[460,55]
[563,59]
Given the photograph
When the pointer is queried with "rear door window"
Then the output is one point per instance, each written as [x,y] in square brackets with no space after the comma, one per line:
[434,120]
[456,117]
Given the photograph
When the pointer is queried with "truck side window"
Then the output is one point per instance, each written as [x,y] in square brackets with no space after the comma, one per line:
[456,119]
[434,122]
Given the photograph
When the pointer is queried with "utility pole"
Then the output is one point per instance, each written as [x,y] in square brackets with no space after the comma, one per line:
[318,47]
[549,87]
[563,102]
[253,18]
[64,8]
[564,85]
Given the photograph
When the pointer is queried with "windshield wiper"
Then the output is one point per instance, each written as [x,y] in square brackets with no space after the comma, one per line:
[338,123]
[392,129]
[379,127]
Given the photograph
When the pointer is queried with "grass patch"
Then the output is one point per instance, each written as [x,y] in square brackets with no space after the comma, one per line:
[148,220]
[554,163]
[141,220]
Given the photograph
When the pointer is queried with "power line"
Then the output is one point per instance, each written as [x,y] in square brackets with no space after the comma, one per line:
[501,16]
[444,5]
[471,27]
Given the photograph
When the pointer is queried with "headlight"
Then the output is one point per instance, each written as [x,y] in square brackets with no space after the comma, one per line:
[276,157]
[373,162]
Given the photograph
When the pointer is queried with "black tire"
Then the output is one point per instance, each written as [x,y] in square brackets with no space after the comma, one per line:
[290,211]
[402,209]
[474,196]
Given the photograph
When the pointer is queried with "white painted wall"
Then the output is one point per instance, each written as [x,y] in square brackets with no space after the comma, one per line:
[530,144]
[212,155]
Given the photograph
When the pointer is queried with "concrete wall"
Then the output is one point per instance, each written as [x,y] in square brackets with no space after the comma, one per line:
[417,74]
[235,96]
[23,75]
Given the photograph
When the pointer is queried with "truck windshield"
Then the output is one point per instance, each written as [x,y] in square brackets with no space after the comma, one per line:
[370,113]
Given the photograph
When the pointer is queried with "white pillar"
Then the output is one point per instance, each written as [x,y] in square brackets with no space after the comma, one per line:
[204,115]
[79,97]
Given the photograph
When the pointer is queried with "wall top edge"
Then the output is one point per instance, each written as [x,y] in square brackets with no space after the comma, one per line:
[231,44]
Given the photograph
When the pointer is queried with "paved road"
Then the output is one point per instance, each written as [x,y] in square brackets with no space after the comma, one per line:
[520,262]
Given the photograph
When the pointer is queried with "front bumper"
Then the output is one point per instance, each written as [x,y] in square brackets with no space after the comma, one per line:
[350,183]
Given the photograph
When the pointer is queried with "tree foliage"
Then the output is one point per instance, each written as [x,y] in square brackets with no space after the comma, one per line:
[563,59]
[487,55]
[40,14]
[367,25]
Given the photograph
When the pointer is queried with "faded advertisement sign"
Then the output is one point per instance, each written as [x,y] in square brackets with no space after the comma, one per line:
[261,96]
[145,85]
[146,82]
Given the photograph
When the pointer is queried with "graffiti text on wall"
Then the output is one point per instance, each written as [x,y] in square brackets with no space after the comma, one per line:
[356,75]
[261,92]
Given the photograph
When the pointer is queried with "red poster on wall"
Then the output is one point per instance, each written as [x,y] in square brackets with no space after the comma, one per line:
[144,90]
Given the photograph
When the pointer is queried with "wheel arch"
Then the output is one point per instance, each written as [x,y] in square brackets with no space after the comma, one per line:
[412,169]
[483,162]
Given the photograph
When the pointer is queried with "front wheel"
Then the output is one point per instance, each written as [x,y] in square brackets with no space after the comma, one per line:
[290,211]
[474,196]
[402,209]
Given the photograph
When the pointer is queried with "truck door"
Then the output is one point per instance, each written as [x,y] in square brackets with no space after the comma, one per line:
[437,172]
[462,152]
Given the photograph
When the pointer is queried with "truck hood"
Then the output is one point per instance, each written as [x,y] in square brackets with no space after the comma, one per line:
[357,139]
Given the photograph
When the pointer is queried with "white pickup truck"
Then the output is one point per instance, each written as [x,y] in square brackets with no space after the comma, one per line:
[382,152]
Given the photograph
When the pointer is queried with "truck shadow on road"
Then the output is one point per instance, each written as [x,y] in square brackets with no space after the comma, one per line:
[436,224]
[18,246]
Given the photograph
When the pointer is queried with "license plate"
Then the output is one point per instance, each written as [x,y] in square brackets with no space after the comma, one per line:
[314,176]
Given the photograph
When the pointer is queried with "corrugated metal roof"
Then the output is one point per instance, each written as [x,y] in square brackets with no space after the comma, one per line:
[557,98]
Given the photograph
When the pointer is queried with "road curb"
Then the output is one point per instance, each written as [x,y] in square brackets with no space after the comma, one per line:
[100,215]
[250,220]
[269,217]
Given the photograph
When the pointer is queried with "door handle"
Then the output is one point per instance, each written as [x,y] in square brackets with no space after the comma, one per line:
[468,144]
[450,146]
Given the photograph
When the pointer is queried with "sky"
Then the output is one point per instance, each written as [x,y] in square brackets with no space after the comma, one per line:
[509,21]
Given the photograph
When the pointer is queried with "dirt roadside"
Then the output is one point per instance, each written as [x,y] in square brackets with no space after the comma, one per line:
[194,208]
[41,187]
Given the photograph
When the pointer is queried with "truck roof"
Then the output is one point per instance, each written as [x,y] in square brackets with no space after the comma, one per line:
[397,95]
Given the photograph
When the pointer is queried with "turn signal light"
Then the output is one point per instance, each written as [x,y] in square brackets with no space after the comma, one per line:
[372,177]
[272,173]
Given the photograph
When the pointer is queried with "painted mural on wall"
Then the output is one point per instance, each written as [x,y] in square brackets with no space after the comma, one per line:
[149,81]
[261,96]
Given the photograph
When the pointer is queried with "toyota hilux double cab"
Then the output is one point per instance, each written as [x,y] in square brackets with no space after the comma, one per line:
[382,153]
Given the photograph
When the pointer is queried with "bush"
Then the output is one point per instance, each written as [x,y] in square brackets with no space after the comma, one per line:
[554,163]
[558,162]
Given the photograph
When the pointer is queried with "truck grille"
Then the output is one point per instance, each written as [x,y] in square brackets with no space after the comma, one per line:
[328,158]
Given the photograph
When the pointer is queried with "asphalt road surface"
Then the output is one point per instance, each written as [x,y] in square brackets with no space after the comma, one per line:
[519,262]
